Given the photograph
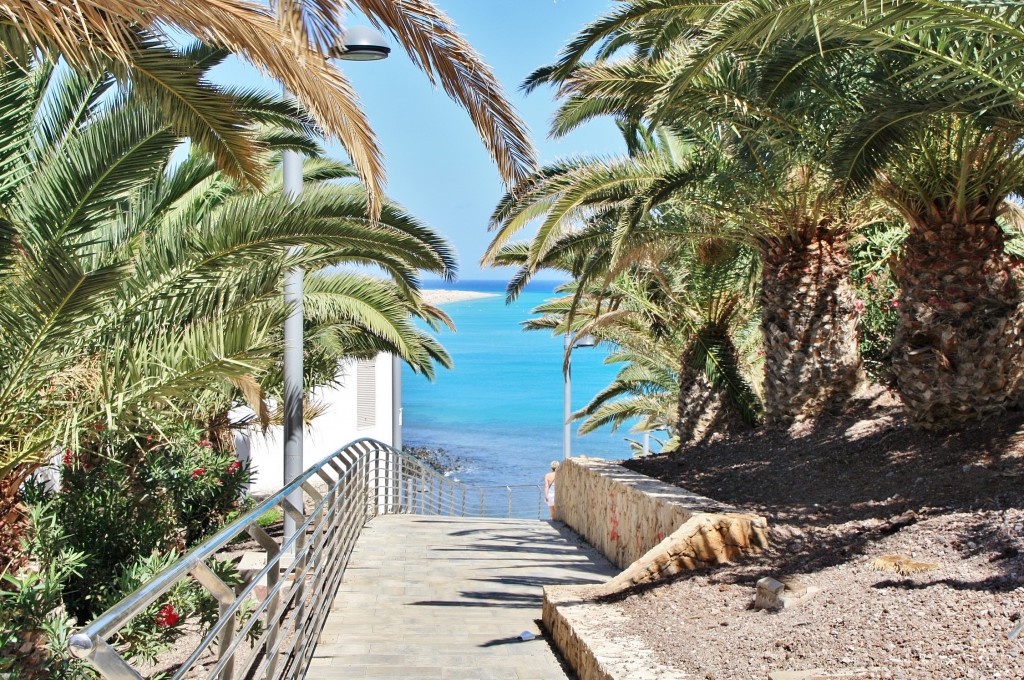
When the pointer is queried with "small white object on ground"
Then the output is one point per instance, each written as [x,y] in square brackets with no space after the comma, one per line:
[780,594]
[526,636]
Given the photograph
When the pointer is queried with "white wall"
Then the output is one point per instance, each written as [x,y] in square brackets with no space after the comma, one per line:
[329,432]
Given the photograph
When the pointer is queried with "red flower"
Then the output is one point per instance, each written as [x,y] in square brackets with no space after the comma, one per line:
[69,456]
[167,617]
[233,468]
[858,305]
[894,303]
[198,472]
[206,443]
[97,426]
[870,279]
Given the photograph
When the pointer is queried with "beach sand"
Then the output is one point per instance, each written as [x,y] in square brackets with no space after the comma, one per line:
[442,297]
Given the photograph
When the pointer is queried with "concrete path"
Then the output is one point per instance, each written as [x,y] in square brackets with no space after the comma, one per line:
[438,597]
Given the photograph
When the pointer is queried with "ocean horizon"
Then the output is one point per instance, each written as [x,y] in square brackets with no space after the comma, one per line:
[500,408]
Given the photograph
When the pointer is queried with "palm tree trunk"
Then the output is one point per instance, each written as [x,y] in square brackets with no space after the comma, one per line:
[704,408]
[959,352]
[809,324]
[12,522]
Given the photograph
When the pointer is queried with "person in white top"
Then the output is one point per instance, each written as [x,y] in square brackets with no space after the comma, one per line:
[549,487]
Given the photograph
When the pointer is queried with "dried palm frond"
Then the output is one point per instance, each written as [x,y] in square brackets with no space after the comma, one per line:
[81,30]
[901,564]
[433,43]
[290,41]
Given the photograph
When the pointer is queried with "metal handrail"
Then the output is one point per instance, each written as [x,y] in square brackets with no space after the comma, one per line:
[363,479]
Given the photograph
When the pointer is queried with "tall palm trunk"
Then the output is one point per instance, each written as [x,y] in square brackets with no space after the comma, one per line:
[959,352]
[810,327]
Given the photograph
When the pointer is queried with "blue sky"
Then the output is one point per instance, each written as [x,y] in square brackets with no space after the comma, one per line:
[436,165]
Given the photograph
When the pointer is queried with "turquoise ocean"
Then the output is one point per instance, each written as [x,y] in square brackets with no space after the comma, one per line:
[500,407]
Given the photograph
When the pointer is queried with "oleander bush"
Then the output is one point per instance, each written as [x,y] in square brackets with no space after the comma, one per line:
[34,624]
[122,499]
[125,508]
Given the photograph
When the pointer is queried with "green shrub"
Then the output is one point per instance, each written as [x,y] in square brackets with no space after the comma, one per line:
[34,625]
[877,296]
[127,507]
[154,630]
[205,485]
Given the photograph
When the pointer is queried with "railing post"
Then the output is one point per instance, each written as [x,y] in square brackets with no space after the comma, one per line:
[225,598]
[388,482]
[463,501]
[273,576]
[421,490]
[509,516]
[103,657]
[433,503]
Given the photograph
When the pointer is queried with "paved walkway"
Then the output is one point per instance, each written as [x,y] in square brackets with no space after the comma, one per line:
[438,597]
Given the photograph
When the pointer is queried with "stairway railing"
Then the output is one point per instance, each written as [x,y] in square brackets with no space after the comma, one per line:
[268,626]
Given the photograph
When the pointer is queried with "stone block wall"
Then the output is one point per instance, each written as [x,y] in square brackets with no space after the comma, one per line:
[625,514]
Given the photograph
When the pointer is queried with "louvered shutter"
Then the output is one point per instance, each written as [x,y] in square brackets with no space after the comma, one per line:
[366,393]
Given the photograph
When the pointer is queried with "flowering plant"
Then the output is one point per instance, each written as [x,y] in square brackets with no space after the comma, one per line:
[207,483]
[167,617]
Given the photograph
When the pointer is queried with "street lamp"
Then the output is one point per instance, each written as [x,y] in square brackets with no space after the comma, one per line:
[359,43]
[571,342]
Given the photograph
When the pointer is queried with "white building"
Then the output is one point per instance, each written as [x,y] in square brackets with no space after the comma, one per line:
[361,405]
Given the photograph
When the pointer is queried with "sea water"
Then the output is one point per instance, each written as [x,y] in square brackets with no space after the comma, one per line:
[500,407]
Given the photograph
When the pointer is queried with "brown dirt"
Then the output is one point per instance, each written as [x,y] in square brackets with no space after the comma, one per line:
[854,486]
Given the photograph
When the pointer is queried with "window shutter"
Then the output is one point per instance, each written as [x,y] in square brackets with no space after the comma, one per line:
[366,393]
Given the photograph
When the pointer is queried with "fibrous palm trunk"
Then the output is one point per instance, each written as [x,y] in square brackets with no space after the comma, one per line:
[809,323]
[12,521]
[704,408]
[959,352]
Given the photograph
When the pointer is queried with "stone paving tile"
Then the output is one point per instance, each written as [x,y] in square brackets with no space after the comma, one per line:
[436,597]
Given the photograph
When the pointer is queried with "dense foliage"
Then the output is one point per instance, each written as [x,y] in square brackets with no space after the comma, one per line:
[140,298]
[866,154]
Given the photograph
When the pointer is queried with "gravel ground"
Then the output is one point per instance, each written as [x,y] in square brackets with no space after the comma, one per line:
[855,486]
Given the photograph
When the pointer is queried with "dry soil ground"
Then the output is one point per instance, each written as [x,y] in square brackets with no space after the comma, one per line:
[852,487]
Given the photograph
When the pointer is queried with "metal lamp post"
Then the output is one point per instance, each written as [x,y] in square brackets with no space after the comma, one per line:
[570,344]
[396,401]
[359,43]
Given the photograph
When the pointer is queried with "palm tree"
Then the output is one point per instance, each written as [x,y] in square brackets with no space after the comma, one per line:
[646,387]
[294,48]
[958,354]
[930,123]
[674,309]
[132,285]
[934,131]
[765,195]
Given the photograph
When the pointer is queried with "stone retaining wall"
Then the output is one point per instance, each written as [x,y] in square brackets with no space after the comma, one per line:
[623,513]
[594,638]
[649,529]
